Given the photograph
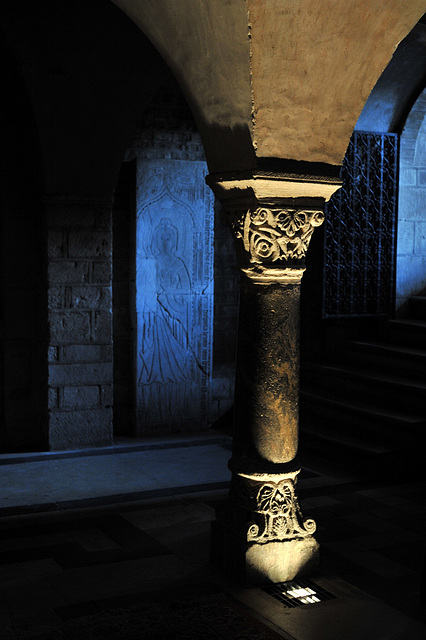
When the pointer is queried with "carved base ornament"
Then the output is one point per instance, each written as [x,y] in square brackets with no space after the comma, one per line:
[274,510]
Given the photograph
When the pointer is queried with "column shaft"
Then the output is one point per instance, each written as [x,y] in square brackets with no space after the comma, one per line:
[267,375]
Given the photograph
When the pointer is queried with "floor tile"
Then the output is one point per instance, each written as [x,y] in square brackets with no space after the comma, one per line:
[29,594]
[188,542]
[176,514]
[98,549]
[102,581]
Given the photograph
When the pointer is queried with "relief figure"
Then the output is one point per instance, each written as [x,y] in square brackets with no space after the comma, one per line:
[165,352]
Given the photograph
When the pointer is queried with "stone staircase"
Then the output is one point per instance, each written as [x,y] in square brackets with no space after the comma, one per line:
[364,409]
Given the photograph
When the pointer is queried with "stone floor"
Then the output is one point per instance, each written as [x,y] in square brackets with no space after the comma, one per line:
[84,531]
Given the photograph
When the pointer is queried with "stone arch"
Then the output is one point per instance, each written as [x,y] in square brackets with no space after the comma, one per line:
[225,67]
[167,138]
[23,319]
[411,238]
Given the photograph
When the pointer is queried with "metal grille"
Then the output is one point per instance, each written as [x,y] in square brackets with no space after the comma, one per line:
[297,593]
[360,229]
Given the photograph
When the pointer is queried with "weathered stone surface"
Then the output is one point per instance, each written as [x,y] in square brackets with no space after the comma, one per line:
[420,239]
[267,376]
[91,297]
[77,429]
[89,244]
[68,272]
[80,374]
[106,395]
[406,231]
[80,397]
[102,327]
[52,398]
[411,203]
[66,327]
[86,353]
[52,354]
[407,177]
[101,272]
[411,276]
[301,45]
[79,319]
[55,298]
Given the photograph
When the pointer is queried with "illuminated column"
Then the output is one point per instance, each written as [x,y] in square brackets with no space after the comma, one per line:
[261,536]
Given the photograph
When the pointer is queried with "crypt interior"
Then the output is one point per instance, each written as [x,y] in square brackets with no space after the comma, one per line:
[213,318]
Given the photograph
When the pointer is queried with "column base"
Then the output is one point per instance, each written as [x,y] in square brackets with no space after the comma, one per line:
[260,537]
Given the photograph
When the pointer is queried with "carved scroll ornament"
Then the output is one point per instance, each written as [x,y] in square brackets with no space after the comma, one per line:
[275,510]
[276,235]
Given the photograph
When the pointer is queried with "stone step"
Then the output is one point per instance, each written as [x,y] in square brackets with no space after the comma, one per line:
[417,307]
[352,384]
[375,356]
[377,424]
[350,452]
[411,333]
[367,407]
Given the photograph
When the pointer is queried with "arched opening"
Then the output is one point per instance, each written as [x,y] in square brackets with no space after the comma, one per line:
[23,335]
[411,246]
[362,375]
[176,308]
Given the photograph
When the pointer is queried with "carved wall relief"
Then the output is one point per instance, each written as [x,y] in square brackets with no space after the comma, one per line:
[174,295]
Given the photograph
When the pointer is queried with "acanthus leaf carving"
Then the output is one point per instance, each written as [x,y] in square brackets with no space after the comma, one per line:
[275,235]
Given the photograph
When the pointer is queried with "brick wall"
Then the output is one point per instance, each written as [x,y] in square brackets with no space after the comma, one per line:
[411,241]
[80,355]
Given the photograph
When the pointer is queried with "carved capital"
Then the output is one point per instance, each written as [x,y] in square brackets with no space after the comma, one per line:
[272,241]
[274,510]
[275,235]
[273,212]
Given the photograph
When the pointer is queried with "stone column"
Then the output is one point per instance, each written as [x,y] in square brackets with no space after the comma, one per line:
[261,535]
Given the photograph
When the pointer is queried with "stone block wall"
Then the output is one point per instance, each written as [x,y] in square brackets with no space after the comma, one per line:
[80,358]
[411,238]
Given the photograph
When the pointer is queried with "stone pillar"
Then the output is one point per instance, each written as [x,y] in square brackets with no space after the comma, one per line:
[261,535]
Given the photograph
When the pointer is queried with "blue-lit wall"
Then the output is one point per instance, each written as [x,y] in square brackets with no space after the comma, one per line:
[174,295]
[411,236]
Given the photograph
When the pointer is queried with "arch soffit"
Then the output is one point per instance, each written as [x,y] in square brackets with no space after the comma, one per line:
[284,80]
